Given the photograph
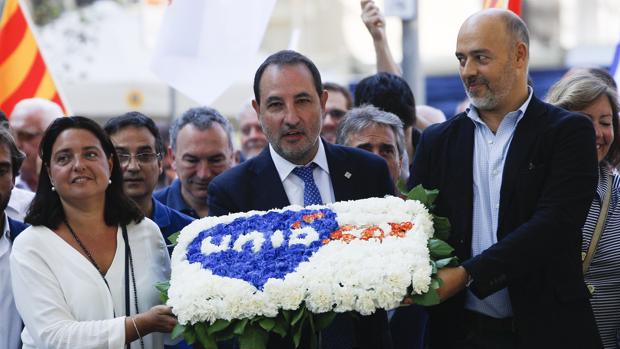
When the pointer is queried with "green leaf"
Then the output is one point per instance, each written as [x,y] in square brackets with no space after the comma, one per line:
[436,282]
[442,227]
[287,315]
[173,238]
[217,326]
[434,266]
[163,286]
[267,323]
[297,330]
[207,341]
[189,335]
[447,262]
[401,186]
[418,193]
[280,327]
[323,320]
[431,196]
[177,331]
[240,327]
[298,315]
[429,298]
[253,338]
[439,249]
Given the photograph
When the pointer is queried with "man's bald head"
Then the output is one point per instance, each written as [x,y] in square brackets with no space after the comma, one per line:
[493,49]
[514,26]
[41,110]
[29,119]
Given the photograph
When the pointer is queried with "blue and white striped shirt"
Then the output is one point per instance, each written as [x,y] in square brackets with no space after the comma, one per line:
[490,152]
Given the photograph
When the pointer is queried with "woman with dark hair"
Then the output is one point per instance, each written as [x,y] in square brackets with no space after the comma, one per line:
[84,273]
[590,95]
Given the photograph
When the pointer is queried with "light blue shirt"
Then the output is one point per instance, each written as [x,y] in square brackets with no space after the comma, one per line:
[490,152]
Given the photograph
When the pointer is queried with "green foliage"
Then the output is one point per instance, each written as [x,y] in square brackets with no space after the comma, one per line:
[163,287]
[439,249]
[254,337]
[173,238]
[177,331]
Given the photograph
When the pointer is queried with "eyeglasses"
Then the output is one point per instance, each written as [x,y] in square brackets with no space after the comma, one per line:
[336,113]
[143,158]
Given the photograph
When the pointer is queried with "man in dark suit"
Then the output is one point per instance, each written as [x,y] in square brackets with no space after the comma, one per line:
[10,161]
[289,100]
[515,178]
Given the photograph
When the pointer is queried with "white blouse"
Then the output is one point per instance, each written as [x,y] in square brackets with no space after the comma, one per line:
[65,303]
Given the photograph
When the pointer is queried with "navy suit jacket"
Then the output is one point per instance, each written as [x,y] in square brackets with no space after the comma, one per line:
[548,183]
[15,227]
[355,174]
[255,184]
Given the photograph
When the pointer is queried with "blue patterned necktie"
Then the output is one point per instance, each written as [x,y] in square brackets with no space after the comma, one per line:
[312,196]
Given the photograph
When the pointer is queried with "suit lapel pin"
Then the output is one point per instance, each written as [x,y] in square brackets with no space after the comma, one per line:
[348,174]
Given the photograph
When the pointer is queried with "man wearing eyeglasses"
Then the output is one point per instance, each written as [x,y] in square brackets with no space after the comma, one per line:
[139,149]
[339,101]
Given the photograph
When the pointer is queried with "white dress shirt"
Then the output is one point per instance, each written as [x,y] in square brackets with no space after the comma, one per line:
[65,303]
[19,203]
[10,322]
[294,186]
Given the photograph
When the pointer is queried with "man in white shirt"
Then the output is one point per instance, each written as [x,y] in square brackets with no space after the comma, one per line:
[10,161]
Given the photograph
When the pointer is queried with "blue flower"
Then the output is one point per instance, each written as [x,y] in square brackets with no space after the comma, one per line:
[269,262]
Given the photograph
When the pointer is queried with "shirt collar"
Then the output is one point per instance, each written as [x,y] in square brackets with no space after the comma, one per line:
[176,201]
[472,111]
[285,167]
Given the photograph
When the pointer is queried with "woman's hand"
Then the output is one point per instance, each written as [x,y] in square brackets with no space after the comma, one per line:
[157,319]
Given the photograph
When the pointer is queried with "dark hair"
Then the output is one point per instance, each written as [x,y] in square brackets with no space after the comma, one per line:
[17,157]
[332,86]
[287,57]
[577,91]
[202,118]
[136,119]
[388,92]
[46,208]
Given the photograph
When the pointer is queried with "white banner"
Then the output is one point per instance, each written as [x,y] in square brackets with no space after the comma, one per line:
[204,46]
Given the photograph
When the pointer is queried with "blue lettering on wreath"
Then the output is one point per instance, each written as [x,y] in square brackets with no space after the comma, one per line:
[279,253]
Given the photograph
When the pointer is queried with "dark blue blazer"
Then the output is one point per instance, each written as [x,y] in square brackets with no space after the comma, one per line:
[169,221]
[15,227]
[355,174]
[255,183]
[548,183]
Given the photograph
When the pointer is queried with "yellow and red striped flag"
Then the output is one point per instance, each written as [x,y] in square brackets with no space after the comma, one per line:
[23,73]
[512,5]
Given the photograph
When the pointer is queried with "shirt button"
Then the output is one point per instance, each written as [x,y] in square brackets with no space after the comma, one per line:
[591,288]
[494,172]
[497,207]
[490,142]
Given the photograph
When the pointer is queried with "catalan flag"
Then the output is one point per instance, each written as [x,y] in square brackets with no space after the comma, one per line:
[512,5]
[23,73]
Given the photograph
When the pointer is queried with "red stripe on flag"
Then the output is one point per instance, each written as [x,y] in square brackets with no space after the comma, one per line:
[515,6]
[12,34]
[28,86]
[56,99]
